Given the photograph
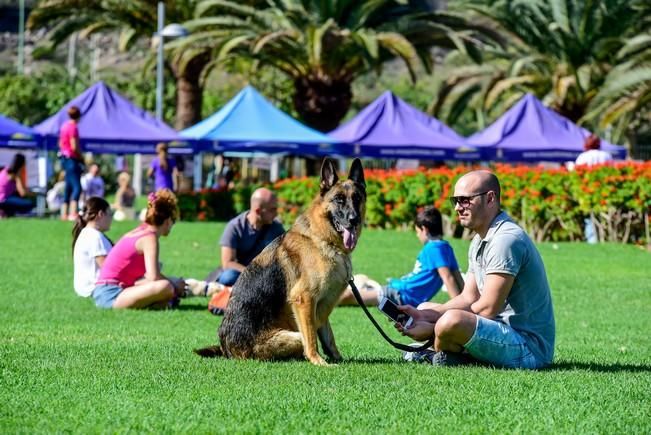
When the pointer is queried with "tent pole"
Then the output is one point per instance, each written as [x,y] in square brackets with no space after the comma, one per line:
[137,173]
[198,169]
[274,169]
[42,182]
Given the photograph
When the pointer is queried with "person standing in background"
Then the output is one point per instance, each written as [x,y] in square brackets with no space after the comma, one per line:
[72,163]
[593,155]
[163,169]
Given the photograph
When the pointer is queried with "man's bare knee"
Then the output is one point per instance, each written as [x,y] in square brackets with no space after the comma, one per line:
[450,323]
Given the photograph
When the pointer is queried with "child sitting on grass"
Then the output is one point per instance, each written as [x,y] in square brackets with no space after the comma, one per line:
[89,245]
[435,265]
[124,198]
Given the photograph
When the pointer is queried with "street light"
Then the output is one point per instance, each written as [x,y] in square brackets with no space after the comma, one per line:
[21,37]
[171,31]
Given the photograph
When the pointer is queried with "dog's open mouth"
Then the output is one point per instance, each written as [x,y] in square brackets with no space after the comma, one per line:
[348,235]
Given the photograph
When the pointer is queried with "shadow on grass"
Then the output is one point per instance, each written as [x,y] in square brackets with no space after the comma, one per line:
[371,360]
[188,307]
[599,367]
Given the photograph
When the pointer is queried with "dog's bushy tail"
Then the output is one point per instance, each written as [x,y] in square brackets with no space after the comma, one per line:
[209,352]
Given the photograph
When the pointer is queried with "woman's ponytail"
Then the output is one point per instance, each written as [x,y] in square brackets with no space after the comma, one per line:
[80,224]
[88,213]
[161,150]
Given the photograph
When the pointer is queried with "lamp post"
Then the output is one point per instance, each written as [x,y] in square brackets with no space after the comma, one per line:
[21,37]
[171,31]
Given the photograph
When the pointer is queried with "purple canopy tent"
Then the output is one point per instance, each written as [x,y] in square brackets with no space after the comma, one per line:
[112,124]
[391,128]
[16,135]
[529,131]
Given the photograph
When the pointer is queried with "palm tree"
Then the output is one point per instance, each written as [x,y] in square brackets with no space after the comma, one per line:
[323,46]
[560,50]
[623,104]
[134,19]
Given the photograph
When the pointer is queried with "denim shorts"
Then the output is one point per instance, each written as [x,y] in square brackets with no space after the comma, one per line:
[106,294]
[499,344]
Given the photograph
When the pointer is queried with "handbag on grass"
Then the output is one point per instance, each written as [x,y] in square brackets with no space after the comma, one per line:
[218,301]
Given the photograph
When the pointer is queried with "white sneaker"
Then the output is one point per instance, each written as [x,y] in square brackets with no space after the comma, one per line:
[195,287]
[214,287]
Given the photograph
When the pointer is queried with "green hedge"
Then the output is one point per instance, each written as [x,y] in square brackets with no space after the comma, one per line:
[550,204]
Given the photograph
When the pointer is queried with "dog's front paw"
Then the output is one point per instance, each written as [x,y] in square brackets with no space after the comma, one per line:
[317,360]
[336,358]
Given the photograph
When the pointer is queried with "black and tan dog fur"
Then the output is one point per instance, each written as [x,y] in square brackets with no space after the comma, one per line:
[283,299]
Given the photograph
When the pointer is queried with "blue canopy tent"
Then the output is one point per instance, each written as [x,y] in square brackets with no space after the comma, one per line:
[16,135]
[529,131]
[250,123]
[112,124]
[391,128]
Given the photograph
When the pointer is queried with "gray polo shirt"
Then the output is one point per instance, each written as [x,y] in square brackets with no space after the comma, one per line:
[508,249]
[246,240]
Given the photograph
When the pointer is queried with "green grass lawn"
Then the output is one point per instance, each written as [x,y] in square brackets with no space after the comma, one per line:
[67,366]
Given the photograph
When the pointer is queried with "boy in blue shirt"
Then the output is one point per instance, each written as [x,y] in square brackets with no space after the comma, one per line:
[435,265]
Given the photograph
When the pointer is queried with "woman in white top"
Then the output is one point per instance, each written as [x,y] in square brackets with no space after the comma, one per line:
[89,245]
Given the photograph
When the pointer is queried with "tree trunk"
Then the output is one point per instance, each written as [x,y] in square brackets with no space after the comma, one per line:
[189,93]
[320,102]
[188,102]
[571,110]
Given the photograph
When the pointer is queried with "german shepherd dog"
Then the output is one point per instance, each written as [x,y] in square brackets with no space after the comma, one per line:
[282,300]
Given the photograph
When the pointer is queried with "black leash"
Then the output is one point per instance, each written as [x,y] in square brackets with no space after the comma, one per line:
[400,346]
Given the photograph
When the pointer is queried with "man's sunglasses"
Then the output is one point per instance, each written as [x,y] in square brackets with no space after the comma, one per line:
[464,201]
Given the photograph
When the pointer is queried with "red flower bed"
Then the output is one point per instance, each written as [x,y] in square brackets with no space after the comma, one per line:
[550,204]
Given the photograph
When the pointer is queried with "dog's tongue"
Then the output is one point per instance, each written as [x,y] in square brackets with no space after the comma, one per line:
[349,239]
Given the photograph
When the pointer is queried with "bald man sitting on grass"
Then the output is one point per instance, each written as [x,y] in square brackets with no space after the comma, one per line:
[504,315]
[247,234]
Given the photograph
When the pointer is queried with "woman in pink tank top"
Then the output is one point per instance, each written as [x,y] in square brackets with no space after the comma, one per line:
[130,276]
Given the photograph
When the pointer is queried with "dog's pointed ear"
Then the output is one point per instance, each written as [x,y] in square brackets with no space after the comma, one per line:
[328,175]
[357,172]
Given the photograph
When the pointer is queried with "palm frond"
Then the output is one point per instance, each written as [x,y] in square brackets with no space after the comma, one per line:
[401,47]
[230,44]
[504,85]
[636,45]
[223,7]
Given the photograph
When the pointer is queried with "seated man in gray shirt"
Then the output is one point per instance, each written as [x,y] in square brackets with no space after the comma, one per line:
[504,314]
[247,234]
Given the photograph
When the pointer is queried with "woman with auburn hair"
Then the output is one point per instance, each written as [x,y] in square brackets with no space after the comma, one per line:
[593,154]
[130,276]
[164,170]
